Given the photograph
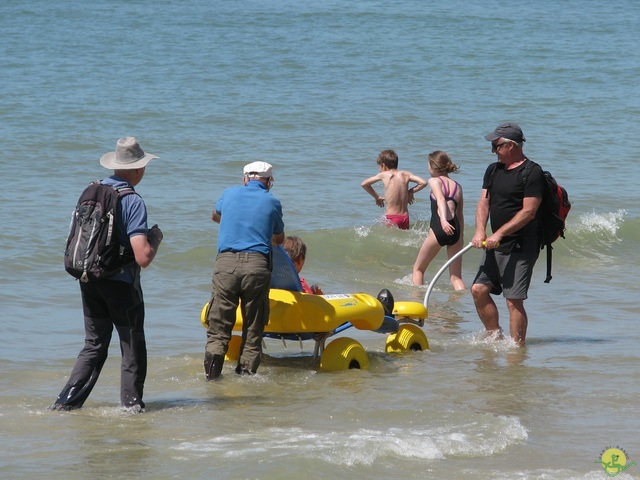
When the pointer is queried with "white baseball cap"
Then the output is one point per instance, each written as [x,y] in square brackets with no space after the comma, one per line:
[258,169]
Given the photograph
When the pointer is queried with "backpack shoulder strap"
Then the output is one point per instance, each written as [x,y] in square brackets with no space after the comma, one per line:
[527,170]
[126,190]
[491,175]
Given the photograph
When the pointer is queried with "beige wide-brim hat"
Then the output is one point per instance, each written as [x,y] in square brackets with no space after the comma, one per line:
[128,155]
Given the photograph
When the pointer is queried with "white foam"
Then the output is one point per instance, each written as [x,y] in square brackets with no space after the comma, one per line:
[362,231]
[484,435]
[407,280]
[482,338]
[608,222]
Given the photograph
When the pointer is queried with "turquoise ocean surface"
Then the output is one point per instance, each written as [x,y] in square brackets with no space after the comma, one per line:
[318,89]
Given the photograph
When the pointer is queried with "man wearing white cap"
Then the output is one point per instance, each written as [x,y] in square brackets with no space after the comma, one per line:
[250,219]
[117,301]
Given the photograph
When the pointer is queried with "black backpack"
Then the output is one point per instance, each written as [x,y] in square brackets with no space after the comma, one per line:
[93,251]
[552,213]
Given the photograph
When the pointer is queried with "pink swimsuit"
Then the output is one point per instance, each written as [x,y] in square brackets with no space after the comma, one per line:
[400,221]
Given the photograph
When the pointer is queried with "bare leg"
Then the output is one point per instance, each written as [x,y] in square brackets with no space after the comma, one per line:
[518,321]
[427,253]
[486,307]
[455,269]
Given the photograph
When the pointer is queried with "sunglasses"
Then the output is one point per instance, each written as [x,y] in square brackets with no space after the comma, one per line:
[496,146]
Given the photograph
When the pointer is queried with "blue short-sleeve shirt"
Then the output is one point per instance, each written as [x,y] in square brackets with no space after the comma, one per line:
[132,221]
[249,216]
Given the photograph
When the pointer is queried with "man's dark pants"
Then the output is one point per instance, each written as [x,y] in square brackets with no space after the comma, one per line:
[107,304]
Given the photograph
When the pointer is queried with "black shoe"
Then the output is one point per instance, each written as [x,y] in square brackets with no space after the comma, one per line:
[243,371]
[213,365]
[133,409]
[387,301]
[58,407]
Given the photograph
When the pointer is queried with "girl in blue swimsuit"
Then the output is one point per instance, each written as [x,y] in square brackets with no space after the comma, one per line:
[447,220]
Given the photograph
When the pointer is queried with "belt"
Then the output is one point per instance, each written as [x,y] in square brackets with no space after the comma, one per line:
[243,255]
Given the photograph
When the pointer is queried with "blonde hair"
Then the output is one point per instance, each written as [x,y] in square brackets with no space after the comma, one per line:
[295,248]
[440,162]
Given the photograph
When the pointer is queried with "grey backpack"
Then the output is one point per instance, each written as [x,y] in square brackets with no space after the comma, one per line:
[93,251]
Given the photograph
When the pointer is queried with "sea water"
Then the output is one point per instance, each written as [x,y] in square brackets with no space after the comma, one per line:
[318,89]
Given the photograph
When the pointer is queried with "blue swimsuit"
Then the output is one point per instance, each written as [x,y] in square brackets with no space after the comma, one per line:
[442,238]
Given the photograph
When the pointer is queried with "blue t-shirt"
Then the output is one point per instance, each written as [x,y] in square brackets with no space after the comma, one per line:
[249,216]
[131,221]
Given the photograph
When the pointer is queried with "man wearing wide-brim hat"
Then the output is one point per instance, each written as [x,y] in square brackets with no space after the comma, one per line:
[117,300]
[250,220]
